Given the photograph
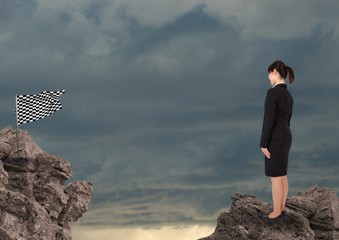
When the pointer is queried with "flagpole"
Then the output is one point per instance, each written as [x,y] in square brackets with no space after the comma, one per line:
[17,125]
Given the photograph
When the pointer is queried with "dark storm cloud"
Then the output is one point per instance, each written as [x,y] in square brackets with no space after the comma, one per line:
[164,100]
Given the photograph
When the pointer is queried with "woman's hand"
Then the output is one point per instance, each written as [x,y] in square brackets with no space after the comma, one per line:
[266,152]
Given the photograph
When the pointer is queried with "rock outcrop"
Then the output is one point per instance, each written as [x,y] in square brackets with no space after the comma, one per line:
[34,202]
[312,215]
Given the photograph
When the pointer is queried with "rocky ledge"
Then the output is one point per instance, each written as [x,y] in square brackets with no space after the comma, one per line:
[34,202]
[311,215]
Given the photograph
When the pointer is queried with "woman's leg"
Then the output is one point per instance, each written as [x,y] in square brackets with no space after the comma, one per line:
[277,195]
[285,192]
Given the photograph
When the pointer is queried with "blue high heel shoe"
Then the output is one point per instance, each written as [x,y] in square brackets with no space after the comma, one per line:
[279,218]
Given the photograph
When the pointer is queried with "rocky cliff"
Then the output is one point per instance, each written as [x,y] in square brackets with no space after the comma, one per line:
[34,202]
[311,215]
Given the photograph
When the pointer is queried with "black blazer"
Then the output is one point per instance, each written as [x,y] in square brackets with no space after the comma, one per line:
[278,113]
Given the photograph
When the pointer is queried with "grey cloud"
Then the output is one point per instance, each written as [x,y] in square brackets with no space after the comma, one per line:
[278,20]
[315,166]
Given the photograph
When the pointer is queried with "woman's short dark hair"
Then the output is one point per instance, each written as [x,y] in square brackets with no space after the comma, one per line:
[282,69]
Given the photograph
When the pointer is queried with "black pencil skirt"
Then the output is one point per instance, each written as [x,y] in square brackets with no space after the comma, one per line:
[279,148]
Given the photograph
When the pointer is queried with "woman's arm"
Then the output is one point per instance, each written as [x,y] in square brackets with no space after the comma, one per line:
[269,116]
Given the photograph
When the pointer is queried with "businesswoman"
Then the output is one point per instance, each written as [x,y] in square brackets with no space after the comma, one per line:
[276,138]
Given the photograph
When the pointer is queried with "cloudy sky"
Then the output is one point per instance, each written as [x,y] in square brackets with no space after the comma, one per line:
[164,102]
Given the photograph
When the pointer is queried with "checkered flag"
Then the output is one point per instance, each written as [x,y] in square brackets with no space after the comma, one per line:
[30,108]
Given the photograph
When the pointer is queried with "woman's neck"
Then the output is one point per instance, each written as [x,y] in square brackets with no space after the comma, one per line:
[279,82]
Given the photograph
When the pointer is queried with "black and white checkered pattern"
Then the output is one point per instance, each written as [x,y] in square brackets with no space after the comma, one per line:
[30,108]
